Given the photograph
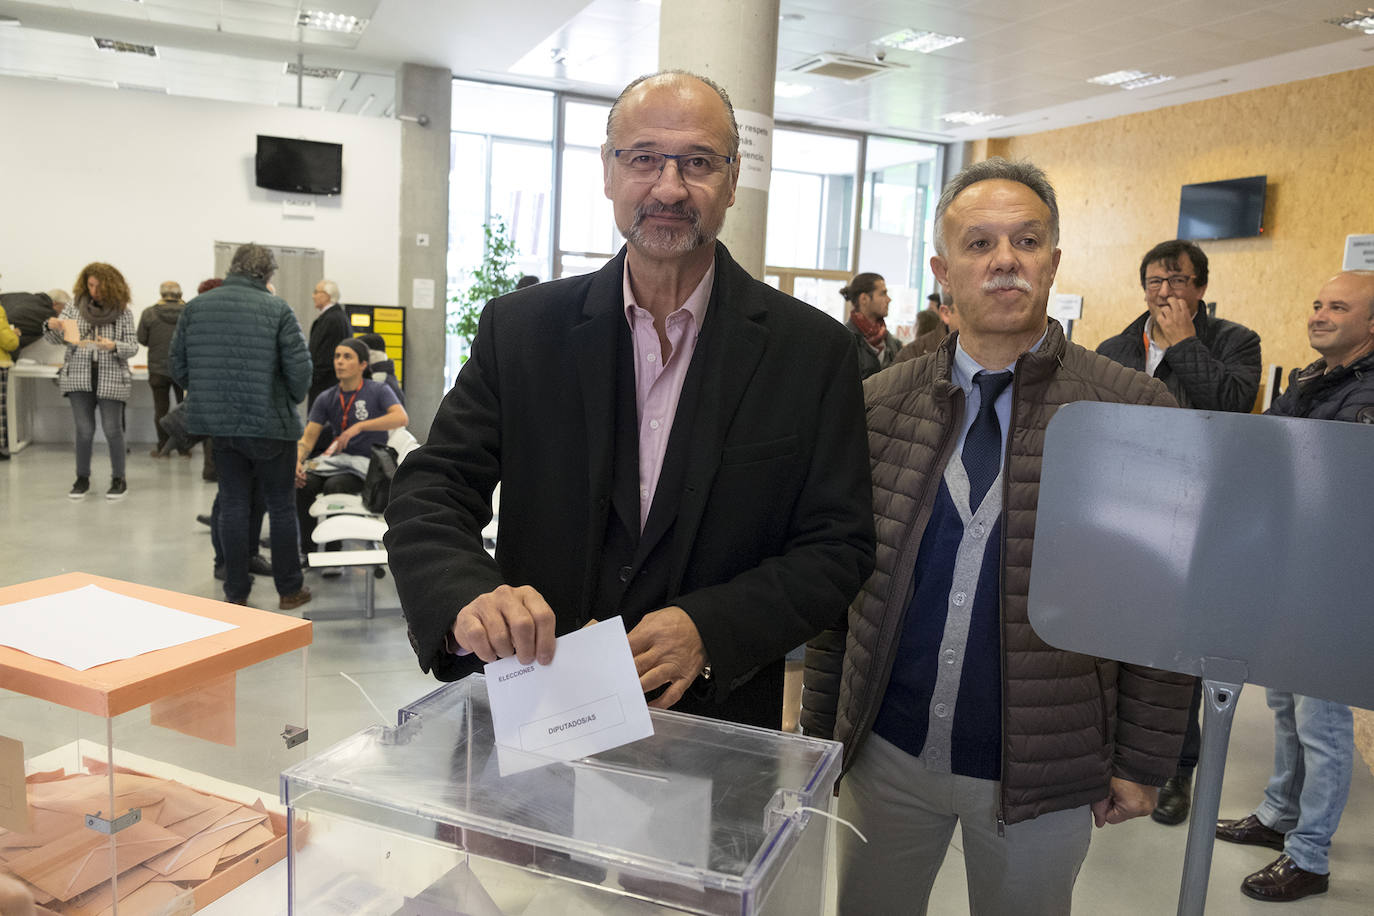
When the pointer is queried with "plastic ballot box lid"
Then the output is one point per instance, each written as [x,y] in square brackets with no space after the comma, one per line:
[702,814]
[1225,546]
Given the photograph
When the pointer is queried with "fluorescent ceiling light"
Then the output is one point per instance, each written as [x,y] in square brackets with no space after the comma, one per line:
[785,90]
[969,117]
[124,47]
[329,21]
[1149,79]
[919,40]
[1130,79]
[1358,21]
[1117,77]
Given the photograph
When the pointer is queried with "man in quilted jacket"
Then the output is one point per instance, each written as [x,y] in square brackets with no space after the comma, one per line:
[240,354]
[951,709]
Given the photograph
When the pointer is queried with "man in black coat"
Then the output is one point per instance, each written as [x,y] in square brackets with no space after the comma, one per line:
[676,443]
[29,312]
[329,327]
[1207,364]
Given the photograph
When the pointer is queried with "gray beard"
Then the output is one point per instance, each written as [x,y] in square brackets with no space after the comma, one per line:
[670,240]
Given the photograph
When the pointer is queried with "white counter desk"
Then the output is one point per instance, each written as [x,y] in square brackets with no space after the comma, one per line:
[24,387]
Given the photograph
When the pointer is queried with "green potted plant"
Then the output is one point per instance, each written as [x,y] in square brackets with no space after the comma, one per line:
[491,278]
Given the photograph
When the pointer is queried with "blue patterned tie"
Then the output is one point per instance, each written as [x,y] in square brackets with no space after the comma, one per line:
[983,444]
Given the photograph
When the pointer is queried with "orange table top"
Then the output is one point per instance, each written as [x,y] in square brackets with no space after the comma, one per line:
[117,687]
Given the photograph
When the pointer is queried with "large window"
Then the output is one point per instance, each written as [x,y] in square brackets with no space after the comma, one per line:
[587,235]
[500,165]
[901,188]
[813,245]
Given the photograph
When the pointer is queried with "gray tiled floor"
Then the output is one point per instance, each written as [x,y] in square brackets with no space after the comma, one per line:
[152,537]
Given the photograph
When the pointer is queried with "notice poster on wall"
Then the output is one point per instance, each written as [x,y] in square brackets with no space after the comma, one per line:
[1359,252]
[1066,307]
[755,149]
[421,293]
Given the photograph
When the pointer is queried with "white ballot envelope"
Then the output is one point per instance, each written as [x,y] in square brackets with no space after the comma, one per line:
[585,701]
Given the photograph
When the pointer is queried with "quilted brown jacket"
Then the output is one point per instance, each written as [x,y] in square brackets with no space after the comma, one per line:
[1070,721]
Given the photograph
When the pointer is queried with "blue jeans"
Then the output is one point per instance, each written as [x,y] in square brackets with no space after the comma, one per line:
[243,464]
[1314,746]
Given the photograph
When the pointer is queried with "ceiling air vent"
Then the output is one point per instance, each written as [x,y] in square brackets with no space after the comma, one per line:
[319,73]
[844,67]
[124,47]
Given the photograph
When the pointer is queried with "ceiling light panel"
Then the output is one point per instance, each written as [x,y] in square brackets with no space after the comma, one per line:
[1117,77]
[919,40]
[1149,79]
[1130,79]
[124,47]
[968,117]
[330,21]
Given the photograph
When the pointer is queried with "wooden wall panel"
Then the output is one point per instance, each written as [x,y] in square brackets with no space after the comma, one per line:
[1118,183]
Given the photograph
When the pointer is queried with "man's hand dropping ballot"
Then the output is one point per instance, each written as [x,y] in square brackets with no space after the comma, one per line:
[586,700]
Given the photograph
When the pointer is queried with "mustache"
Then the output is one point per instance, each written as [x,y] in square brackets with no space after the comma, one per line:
[658,208]
[1006,281]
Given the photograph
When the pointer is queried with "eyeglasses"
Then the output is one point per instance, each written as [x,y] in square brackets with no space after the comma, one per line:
[648,164]
[1175,282]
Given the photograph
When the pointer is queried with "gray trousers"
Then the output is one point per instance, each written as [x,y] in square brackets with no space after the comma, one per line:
[908,813]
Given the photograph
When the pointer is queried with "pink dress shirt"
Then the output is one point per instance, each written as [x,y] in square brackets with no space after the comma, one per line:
[658,381]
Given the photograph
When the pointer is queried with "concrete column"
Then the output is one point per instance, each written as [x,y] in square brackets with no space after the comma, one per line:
[425,93]
[735,44]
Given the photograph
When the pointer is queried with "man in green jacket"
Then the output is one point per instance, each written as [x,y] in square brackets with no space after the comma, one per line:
[240,353]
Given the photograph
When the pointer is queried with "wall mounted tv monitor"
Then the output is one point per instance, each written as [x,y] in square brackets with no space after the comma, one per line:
[299,166]
[1222,209]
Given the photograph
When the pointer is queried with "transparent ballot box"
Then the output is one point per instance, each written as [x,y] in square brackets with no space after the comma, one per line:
[147,783]
[701,817]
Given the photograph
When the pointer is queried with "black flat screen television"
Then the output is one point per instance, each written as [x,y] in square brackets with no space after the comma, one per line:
[299,166]
[1222,209]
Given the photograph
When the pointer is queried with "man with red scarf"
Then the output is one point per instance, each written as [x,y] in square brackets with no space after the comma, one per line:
[868,302]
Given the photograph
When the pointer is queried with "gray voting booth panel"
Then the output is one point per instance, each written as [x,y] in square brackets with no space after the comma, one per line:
[1165,537]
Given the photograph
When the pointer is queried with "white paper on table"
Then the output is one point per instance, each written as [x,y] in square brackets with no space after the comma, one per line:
[585,701]
[90,626]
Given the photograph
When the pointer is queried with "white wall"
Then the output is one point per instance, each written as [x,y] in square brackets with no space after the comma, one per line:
[150,182]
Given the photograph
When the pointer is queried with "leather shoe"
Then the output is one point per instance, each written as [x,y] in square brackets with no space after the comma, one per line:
[1175,798]
[1282,881]
[293,601]
[1251,832]
[258,565]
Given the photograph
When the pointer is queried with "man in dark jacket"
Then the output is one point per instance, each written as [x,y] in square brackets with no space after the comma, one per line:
[240,353]
[676,443]
[1208,364]
[156,326]
[1314,741]
[329,327]
[29,312]
[951,709]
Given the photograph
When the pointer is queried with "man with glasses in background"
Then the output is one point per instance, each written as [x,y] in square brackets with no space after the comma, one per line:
[1207,363]
[676,443]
